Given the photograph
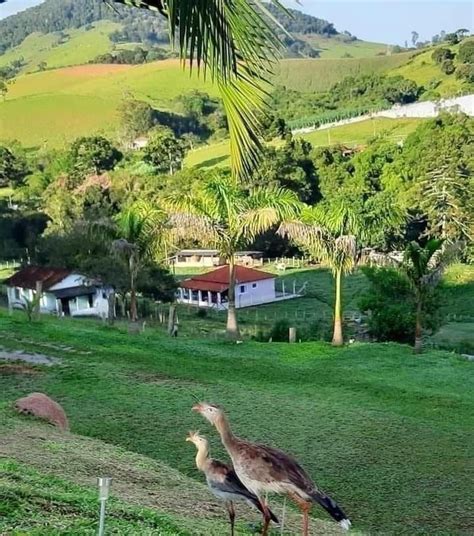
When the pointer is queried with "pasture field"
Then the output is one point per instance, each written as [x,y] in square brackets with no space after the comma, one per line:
[331,48]
[366,420]
[424,71]
[322,74]
[83,100]
[361,132]
[80,47]
[217,154]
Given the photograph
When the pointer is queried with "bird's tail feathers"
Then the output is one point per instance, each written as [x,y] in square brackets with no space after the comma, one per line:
[256,504]
[332,508]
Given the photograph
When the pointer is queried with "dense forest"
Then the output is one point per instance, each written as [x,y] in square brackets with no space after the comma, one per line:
[139,26]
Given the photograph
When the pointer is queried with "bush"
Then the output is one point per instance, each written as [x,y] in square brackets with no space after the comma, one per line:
[465,72]
[448,67]
[391,306]
[442,54]
[466,52]
[201,313]
[279,331]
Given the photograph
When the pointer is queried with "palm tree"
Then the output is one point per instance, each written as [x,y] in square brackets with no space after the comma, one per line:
[424,267]
[141,232]
[235,41]
[226,216]
[338,250]
[331,230]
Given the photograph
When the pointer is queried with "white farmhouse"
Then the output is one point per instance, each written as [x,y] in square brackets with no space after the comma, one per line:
[253,287]
[63,291]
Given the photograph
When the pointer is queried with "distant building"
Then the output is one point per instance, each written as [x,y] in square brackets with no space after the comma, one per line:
[202,258]
[253,287]
[62,291]
[138,143]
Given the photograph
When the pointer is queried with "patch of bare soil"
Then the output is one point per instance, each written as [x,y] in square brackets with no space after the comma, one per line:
[10,370]
[136,479]
[162,379]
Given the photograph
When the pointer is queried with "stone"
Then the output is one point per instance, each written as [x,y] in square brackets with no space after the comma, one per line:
[41,406]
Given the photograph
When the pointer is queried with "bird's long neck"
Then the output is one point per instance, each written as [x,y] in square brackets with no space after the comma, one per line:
[227,437]
[202,459]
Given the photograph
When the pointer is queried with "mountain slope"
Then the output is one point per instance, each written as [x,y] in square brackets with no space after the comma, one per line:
[50,31]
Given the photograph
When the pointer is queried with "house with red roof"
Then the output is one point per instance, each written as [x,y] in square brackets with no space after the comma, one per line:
[252,287]
[62,291]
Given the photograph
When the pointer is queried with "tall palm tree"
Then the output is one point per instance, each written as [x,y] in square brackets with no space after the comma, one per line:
[331,230]
[141,231]
[338,250]
[235,42]
[424,266]
[226,216]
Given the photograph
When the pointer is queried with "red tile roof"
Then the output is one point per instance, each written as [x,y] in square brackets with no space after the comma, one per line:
[218,280]
[28,276]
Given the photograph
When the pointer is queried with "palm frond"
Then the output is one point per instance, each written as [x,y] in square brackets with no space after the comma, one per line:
[235,41]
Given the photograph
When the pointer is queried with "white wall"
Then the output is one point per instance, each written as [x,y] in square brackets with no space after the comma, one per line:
[263,292]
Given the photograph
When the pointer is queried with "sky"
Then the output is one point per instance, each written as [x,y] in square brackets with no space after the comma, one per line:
[385,21]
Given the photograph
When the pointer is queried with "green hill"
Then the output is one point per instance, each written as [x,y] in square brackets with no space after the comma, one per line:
[70,102]
[322,74]
[81,47]
[423,70]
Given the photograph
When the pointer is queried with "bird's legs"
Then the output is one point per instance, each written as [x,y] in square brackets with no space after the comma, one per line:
[305,507]
[231,510]
[266,516]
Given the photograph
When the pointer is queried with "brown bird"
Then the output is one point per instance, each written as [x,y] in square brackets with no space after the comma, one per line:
[222,480]
[264,469]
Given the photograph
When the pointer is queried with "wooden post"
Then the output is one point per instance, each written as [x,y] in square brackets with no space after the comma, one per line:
[111,308]
[39,291]
[172,319]
[292,335]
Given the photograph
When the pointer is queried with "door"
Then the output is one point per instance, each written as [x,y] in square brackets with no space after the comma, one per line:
[65,306]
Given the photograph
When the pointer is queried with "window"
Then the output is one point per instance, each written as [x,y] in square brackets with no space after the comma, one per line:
[242,289]
[17,293]
[254,285]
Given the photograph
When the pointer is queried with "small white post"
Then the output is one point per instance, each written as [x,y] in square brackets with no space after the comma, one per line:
[104,487]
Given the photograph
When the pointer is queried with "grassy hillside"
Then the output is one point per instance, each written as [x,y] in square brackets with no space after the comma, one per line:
[322,74]
[73,101]
[330,48]
[366,420]
[81,47]
[425,72]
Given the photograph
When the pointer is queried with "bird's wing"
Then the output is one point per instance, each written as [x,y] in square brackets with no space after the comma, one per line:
[223,478]
[274,464]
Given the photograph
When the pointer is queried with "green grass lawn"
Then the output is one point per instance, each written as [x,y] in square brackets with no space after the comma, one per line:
[37,503]
[387,433]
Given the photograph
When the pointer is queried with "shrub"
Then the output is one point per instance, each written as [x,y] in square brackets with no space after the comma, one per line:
[448,67]
[442,54]
[466,52]
[279,331]
[390,304]
[201,313]
[465,72]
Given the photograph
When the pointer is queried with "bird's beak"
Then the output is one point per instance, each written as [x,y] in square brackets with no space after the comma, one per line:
[197,407]
[188,439]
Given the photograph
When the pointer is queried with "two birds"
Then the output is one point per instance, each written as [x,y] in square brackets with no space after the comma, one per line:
[258,469]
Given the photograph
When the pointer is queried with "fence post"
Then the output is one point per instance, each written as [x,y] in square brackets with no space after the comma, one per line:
[292,335]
